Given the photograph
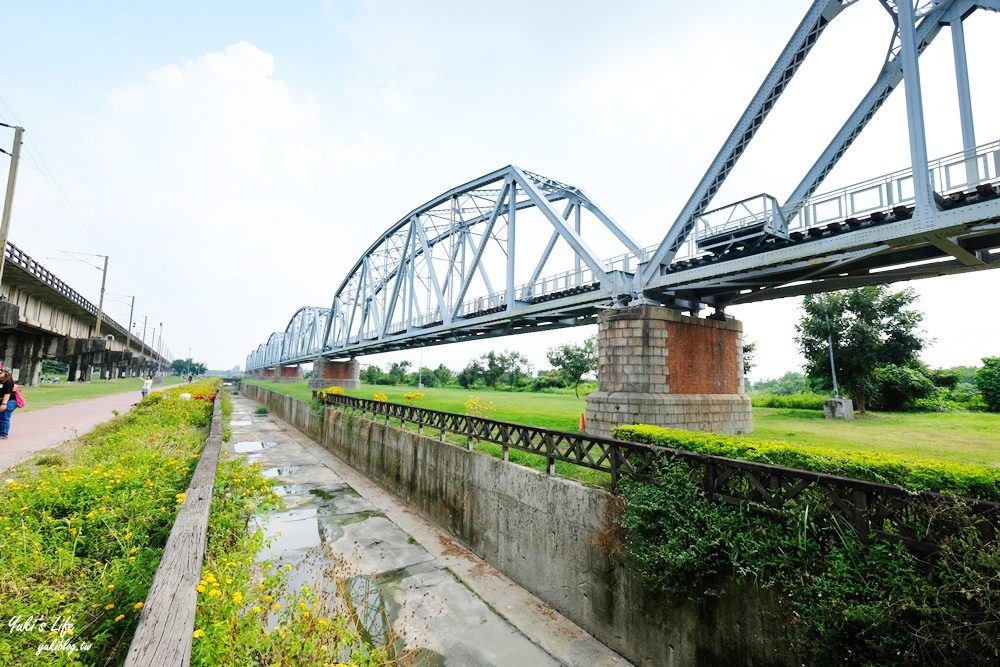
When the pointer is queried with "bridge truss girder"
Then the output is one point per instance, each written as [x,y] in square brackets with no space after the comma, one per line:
[931,16]
[472,263]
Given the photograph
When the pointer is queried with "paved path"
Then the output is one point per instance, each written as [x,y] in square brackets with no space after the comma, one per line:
[49,427]
[438,595]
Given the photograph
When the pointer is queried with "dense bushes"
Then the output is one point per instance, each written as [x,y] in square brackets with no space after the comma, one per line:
[988,382]
[794,401]
[846,603]
[917,475]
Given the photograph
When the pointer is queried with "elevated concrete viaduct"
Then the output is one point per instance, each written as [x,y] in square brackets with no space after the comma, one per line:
[41,317]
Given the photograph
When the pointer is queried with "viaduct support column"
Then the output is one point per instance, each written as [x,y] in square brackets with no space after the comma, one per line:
[659,367]
[327,373]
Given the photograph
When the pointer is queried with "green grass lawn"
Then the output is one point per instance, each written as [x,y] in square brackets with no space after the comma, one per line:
[47,395]
[960,437]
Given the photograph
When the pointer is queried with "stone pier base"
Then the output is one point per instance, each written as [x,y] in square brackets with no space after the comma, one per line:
[326,373]
[289,374]
[659,367]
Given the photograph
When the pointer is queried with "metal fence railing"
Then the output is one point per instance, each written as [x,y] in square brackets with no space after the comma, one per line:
[919,519]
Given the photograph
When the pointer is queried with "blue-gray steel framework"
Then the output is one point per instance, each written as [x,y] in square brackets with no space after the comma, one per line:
[429,278]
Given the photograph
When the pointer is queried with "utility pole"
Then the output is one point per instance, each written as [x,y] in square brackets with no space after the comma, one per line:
[8,202]
[100,304]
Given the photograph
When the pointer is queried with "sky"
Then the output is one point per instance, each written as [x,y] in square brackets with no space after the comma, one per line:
[235,159]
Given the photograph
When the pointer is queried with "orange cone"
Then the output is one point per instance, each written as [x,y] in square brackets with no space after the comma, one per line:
[583,421]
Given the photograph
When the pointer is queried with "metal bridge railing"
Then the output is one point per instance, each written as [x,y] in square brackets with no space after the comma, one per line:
[872,509]
[949,174]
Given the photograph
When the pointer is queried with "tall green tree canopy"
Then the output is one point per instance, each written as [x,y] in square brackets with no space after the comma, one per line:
[871,327]
[572,362]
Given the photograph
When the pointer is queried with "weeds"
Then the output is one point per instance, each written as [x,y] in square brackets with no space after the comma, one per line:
[82,532]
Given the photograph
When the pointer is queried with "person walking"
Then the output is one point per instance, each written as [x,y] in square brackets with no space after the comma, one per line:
[7,402]
[147,384]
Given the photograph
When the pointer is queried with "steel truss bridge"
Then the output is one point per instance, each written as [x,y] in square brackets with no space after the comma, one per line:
[514,251]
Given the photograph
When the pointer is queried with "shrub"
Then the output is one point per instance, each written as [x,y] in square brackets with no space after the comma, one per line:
[261,410]
[845,602]
[914,474]
[988,382]
[331,391]
[898,387]
[794,401]
[478,408]
[413,397]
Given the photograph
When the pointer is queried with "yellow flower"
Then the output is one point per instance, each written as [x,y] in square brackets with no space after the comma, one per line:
[288,566]
[139,605]
[200,588]
[109,607]
[277,606]
[214,593]
[111,587]
[198,633]
[119,617]
[237,597]
[256,609]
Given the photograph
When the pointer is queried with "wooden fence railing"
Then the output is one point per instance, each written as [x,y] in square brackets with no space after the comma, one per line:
[919,519]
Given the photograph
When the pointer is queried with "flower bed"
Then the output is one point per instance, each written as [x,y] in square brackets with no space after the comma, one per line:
[82,529]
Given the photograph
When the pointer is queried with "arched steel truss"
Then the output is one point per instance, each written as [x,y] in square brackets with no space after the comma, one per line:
[467,264]
[474,262]
[301,339]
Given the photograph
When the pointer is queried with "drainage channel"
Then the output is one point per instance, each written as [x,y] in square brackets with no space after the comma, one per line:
[388,581]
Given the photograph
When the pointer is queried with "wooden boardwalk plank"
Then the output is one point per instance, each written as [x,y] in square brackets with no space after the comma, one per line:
[163,636]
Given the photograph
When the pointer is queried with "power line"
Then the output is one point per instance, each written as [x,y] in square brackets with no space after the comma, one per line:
[35,155]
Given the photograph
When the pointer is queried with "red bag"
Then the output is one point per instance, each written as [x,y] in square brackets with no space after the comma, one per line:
[18,398]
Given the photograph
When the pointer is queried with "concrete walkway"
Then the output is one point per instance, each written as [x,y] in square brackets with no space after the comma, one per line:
[436,594]
[49,427]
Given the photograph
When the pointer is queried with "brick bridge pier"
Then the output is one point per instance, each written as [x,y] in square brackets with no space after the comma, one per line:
[657,366]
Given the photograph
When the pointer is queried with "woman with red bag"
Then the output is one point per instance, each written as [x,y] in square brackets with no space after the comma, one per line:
[7,401]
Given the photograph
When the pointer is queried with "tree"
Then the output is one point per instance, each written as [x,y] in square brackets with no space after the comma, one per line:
[572,362]
[187,366]
[870,327]
[988,381]
[398,371]
[749,348]
[443,374]
[471,375]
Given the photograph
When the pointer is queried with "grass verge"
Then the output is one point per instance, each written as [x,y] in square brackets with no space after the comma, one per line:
[42,396]
[82,531]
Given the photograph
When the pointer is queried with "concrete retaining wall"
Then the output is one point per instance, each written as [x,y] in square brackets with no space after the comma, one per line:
[541,531]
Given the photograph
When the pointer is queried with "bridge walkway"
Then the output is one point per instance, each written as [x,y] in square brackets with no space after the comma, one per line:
[438,595]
